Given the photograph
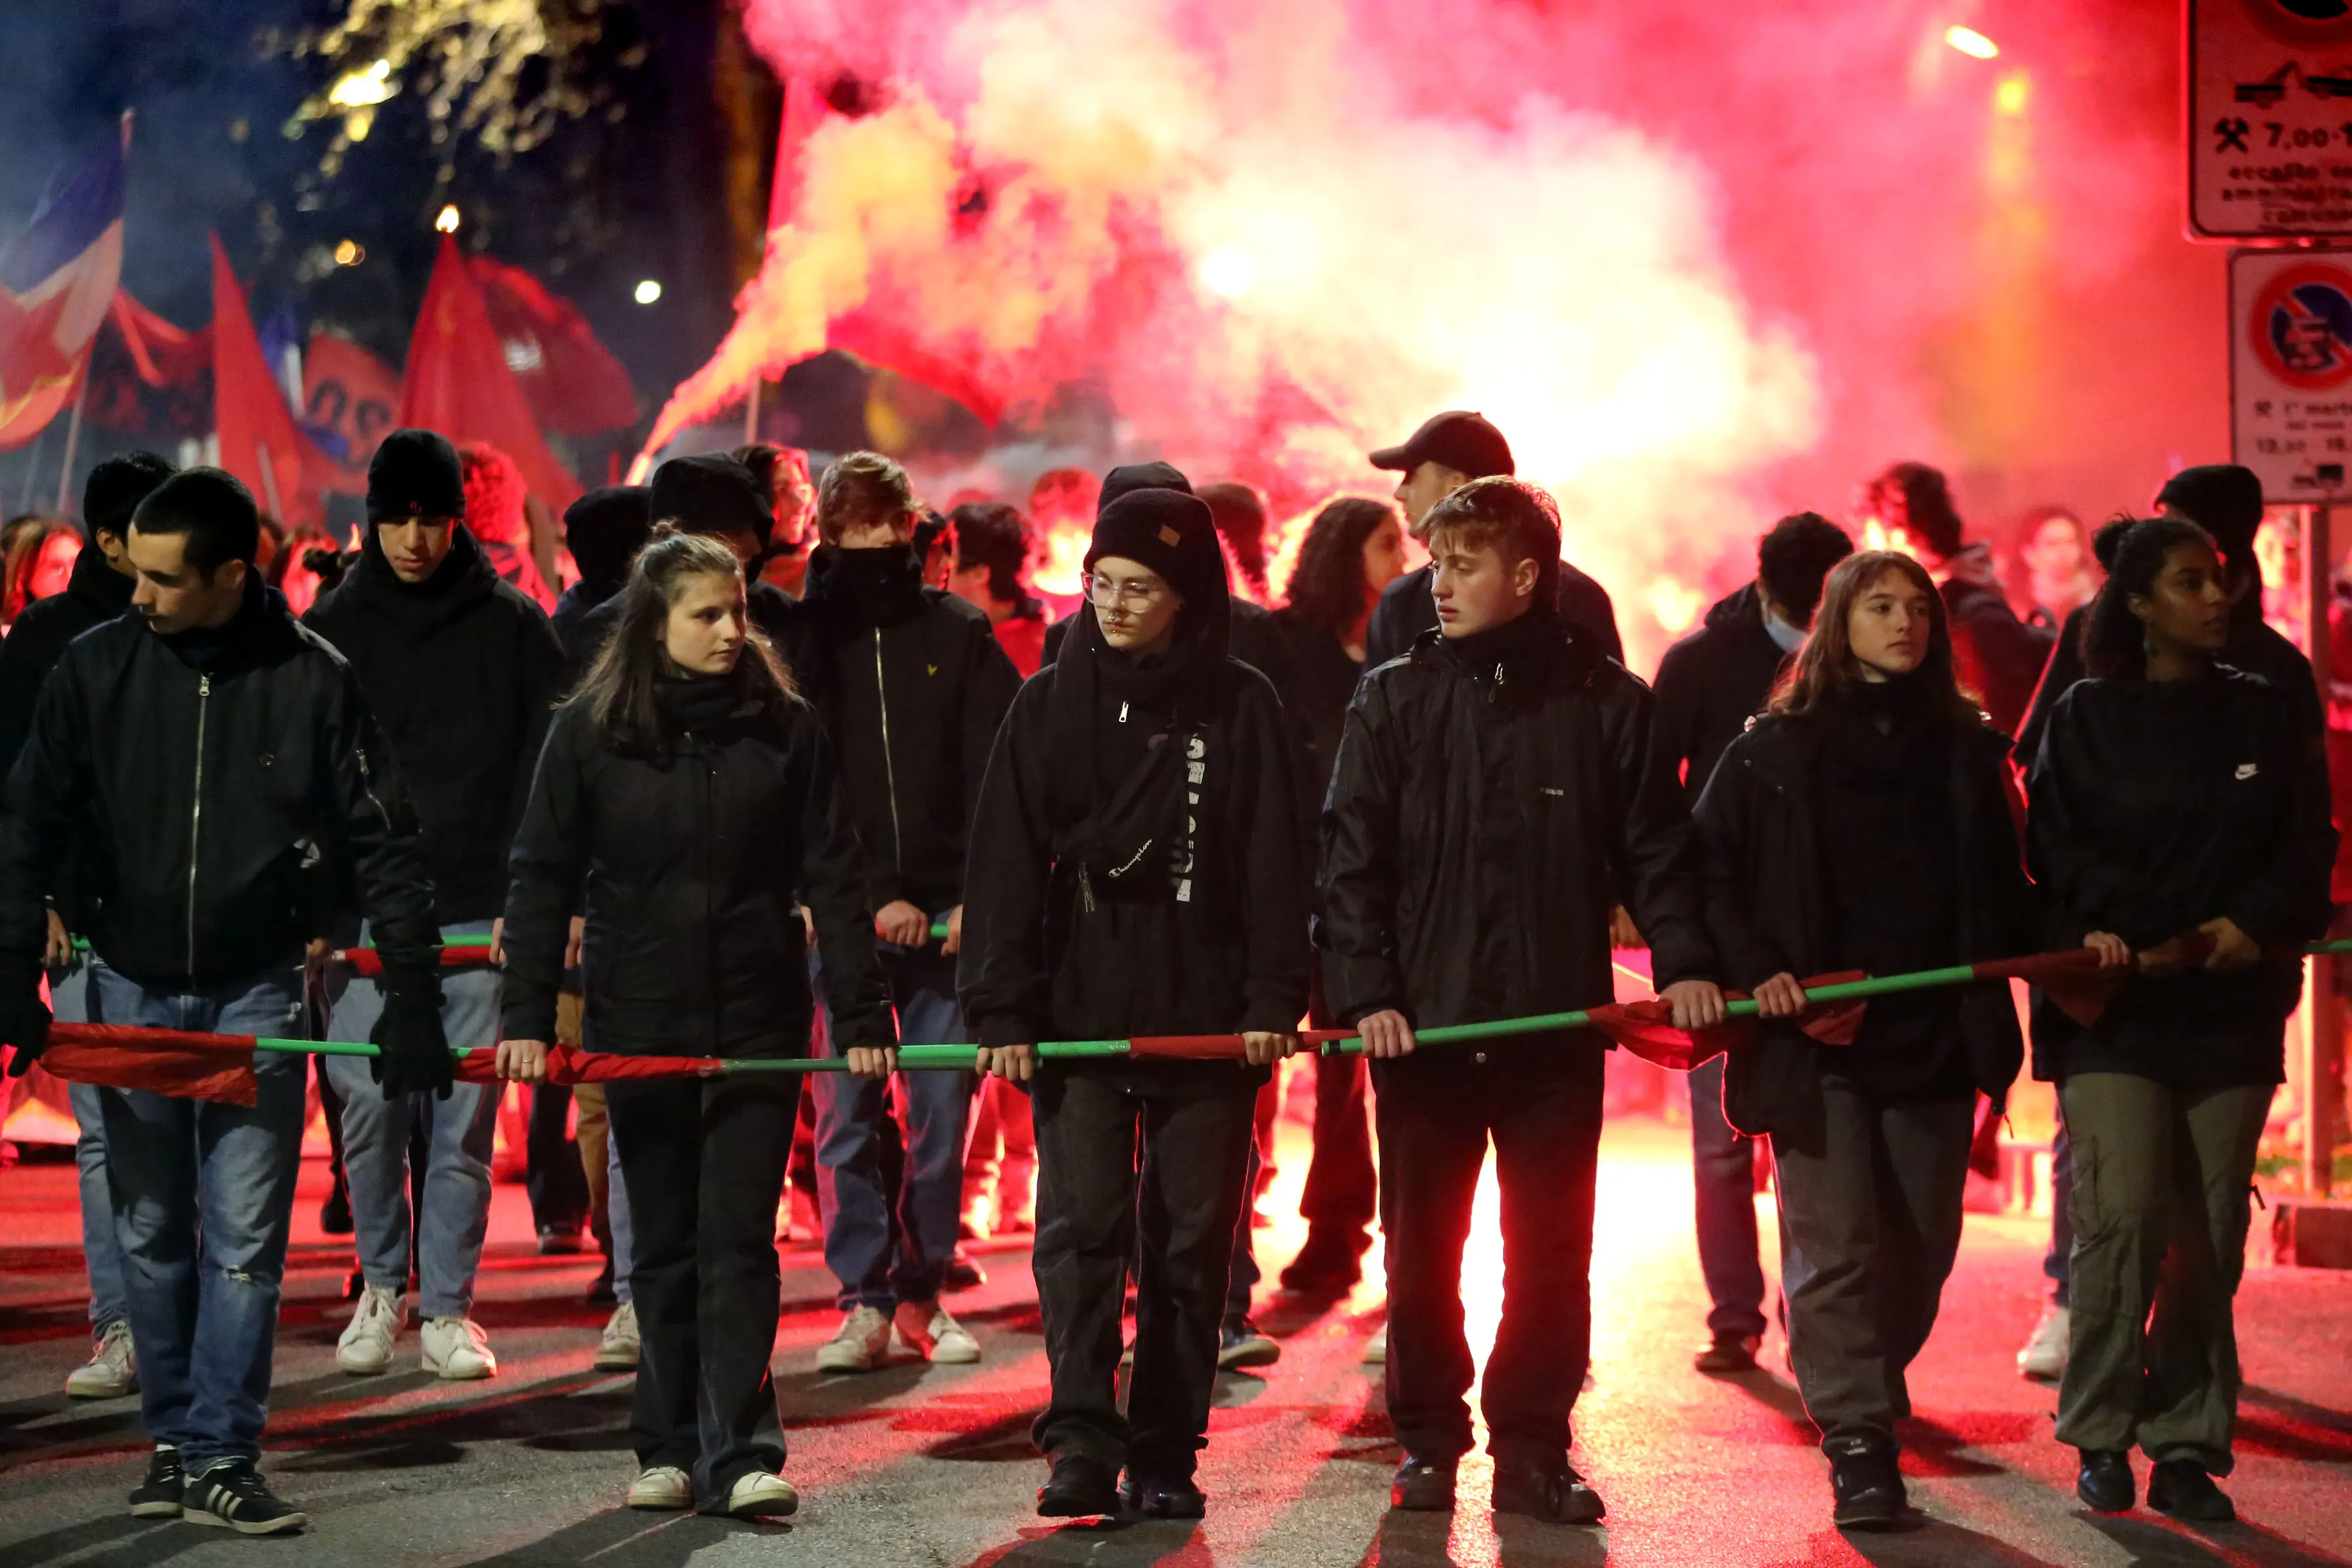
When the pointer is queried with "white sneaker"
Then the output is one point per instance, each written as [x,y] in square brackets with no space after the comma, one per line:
[1376,1353]
[112,1370]
[365,1348]
[664,1485]
[2044,1358]
[456,1349]
[618,1350]
[860,1343]
[924,1328]
[762,1496]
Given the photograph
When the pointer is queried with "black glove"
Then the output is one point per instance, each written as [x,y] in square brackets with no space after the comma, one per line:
[24,1021]
[414,1052]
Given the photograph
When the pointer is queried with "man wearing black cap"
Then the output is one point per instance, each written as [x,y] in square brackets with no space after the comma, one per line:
[1447,452]
[98,591]
[1136,870]
[911,685]
[215,763]
[460,668]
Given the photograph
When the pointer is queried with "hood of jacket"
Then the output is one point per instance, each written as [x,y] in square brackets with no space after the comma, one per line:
[463,579]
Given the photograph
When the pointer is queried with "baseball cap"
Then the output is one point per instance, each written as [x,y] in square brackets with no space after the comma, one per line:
[1462,441]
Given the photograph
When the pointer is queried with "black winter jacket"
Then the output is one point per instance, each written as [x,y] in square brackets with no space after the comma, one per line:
[1761,837]
[1483,819]
[1047,958]
[571,611]
[94,594]
[461,672]
[218,806]
[1315,678]
[1711,683]
[695,867]
[2157,806]
[1406,610]
[1997,656]
[911,684]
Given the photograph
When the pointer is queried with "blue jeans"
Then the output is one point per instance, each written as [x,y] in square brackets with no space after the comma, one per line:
[1723,1172]
[458,1129]
[616,1220]
[74,1000]
[204,1198]
[882,1259]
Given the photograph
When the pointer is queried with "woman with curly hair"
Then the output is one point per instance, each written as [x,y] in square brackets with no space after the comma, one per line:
[496,516]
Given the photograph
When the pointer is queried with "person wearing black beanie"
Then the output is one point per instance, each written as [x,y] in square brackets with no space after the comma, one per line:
[98,591]
[603,530]
[1136,870]
[714,494]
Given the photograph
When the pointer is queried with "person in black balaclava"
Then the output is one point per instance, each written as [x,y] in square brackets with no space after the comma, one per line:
[1136,870]
[461,669]
[603,530]
[911,684]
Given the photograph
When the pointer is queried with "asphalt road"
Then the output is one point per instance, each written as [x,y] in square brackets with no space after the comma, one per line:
[919,1466]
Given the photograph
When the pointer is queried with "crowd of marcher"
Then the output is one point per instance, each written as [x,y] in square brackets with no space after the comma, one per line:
[734,796]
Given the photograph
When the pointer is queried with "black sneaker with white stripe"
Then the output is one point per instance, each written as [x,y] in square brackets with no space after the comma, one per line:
[158,1497]
[231,1493]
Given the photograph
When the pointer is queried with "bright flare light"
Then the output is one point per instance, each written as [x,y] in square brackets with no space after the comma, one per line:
[649,291]
[349,253]
[1227,271]
[1971,43]
[370,85]
[448,222]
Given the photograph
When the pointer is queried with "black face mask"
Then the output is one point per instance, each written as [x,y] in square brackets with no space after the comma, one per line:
[881,586]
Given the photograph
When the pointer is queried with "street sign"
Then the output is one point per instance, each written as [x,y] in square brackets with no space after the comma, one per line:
[2270,118]
[2291,372]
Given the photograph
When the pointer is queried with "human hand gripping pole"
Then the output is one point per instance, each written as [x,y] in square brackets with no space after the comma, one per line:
[413,1050]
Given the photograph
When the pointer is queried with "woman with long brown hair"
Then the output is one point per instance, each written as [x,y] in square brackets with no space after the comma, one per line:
[687,798]
[1863,824]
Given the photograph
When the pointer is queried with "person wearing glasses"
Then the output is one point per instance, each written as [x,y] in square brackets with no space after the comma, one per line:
[1135,869]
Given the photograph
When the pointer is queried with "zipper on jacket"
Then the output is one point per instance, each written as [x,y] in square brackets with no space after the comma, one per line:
[196,815]
[889,768]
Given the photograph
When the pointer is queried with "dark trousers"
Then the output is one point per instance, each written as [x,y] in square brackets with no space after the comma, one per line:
[1543,1113]
[558,1187]
[703,1162]
[1870,1221]
[2058,1263]
[1157,1178]
[1341,1194]
[1723,1176]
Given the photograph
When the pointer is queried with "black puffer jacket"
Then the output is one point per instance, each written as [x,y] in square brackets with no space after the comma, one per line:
[461,672]
[222,784]
[1490,804]
[911,684]
[1711,683]
[96,593]
[1761,837]
[1406,610]
[695,867]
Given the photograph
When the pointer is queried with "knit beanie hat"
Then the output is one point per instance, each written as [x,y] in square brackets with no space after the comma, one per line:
[415,473]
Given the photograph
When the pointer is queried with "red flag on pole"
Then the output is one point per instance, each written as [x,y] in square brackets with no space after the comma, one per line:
[575,385]
[457,383]
[162,1061]
[260,442]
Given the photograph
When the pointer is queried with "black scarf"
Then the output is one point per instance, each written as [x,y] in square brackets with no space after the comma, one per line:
[1891,734]
[697,704]
[867,587]
[1518,646]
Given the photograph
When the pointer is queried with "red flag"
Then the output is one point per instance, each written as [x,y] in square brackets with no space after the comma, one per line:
[55,279]
[367,961]
[162,1061]
[575,385]
[457,383]
[351,393]
[570,1064]
[260,442]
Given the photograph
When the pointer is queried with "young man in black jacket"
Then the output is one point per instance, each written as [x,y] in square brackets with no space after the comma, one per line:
[1999,655]
[460,669]
[1135,870]
[98,591]
[1498,791]
[1447,452]
[1710,684]
[911,685]
[218,767]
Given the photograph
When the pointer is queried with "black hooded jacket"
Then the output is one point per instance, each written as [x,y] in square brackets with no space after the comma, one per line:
[911,684]
[462,672]
[1315,677]
[1711,683]
[696,860]
[1495,796]
[1406,610]
[220,784]
[1136,864]
[94,594]
[1763,839]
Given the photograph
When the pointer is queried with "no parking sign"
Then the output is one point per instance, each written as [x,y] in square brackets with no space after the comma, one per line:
[2291,371]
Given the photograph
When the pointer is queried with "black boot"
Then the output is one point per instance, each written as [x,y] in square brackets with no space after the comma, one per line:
[1551,1491]
[2183,1488]
[1423,1486]
[2104,1482]
[1865,1483]
[1163,1498]
[1081,1487]
[1329,1264]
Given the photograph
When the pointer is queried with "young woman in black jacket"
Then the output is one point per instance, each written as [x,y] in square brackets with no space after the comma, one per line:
[689,794]
[1136,870]
[1863,823]
[2180,806]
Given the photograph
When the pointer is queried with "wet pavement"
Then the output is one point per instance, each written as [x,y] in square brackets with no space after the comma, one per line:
[932,1466]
